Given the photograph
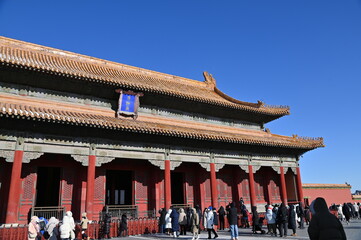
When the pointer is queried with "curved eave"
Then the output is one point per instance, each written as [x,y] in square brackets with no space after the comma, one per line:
[98,121]
[38,58]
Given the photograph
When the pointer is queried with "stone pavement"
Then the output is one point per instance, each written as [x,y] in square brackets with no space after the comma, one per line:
[353,232]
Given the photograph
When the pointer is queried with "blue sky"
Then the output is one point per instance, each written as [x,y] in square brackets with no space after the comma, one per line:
[304,54]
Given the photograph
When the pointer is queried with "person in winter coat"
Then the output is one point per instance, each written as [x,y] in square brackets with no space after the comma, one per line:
[65,229]
[292,219]
[52,228]
[189,219]
[33,228]
[195,224]
[233,223]
[162,222]
[106,225]
[271,220]
[182,220]
[221,215]
[324,225]
[341,217]
[346,211]
[255,219]
[245,213]
[168,222]
[282,219]
[215,217]
[123,228]
[356,210]
[175,224]
[209,222]
[84,226]
[301,214]
[69,215]
[42,225]
[307,215]
[199,212]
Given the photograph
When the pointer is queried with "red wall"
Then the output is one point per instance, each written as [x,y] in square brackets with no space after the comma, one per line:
[331,195]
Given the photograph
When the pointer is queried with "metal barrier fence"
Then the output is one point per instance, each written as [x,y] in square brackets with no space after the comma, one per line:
[136,226]
[116,211]
[48,212]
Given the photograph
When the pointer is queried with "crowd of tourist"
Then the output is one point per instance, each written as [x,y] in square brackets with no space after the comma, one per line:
[323,222]
[54,229]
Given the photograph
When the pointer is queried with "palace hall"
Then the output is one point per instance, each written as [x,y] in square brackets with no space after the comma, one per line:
[89,135]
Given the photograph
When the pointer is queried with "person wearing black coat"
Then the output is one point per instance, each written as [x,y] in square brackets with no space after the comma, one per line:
[347,212]
[175,222]
[282,219]
[162,222]
[324,225]
[301,214]
[292,219]
[233,223]
[221,214]
[200,215]
[106,225]
[123,226]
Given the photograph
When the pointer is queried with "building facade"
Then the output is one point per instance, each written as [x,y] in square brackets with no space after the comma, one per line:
[86,134]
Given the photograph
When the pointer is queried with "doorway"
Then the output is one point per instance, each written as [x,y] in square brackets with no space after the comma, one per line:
[119,187]
[177,180]
[47,186]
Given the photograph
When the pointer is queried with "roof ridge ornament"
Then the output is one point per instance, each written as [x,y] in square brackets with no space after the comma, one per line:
[209,80]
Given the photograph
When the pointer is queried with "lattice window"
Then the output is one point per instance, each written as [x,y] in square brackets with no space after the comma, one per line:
[141,186]
[28,186]
[99,188]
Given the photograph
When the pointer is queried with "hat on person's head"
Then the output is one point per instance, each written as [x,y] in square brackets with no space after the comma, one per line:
[210,208]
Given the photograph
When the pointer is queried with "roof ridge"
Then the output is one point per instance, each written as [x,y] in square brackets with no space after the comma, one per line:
[59,62]
[120,66]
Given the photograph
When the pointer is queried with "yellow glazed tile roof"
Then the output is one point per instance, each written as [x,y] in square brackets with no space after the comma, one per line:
[45,59]
[30,108]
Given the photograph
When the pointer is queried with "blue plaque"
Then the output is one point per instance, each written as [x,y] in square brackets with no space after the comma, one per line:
[127,104]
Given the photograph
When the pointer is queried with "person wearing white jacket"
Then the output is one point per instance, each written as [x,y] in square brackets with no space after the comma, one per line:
[209,221]
[168,222]
[65,229]
[271,219]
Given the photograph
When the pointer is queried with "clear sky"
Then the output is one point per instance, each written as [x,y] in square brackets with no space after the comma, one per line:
[302,53]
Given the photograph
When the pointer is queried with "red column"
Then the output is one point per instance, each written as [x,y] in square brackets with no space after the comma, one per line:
[214,191]
[14,192]
[90,186]
[167,188]
[283,186]
[251,186]
[299,185]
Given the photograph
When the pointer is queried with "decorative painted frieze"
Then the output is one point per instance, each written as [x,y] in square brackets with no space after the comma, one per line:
[27,156]
[8,155]
[158,163]
[277,169]
[84,160]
